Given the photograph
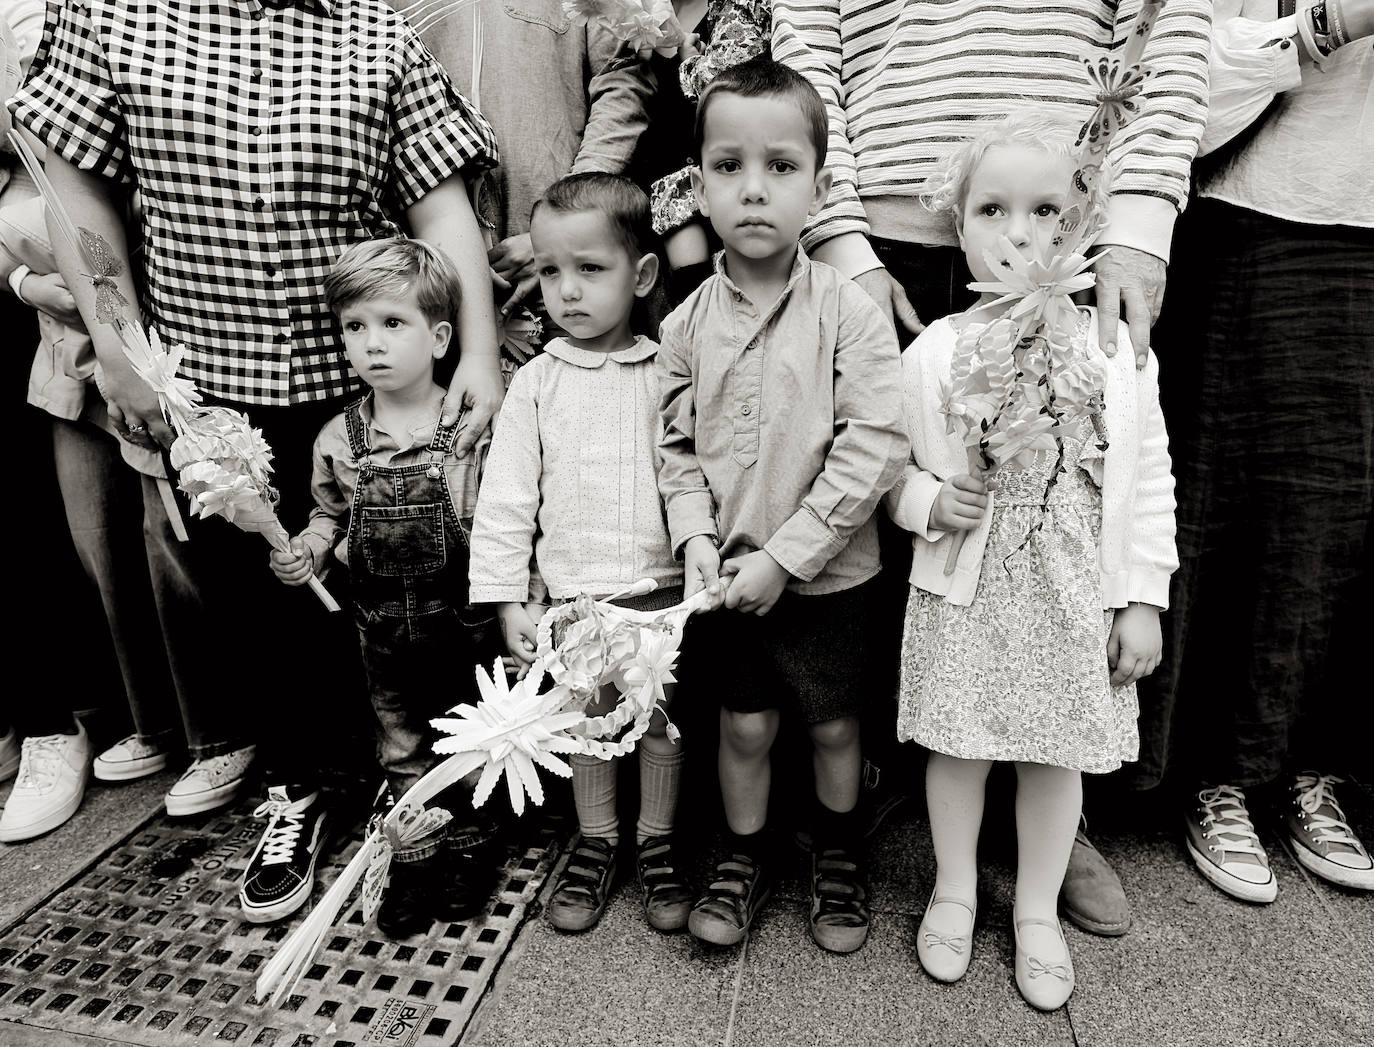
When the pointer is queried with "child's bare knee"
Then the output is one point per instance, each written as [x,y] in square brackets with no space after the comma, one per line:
[748,732]
[842,733]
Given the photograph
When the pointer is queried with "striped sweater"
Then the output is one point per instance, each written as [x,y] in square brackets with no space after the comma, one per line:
[904,80]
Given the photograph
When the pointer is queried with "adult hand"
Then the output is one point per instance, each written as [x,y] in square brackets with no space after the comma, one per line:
[1134,644]
[960,504]
[476,388]
[133,406]
[883,288]
[701,570]
[48,294]
[512,263]
[756,582]
[1125,274]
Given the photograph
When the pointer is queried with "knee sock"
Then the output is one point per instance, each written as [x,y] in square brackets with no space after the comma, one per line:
[660,776]
[594,796]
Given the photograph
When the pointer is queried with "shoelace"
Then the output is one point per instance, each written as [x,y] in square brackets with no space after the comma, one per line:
[1234,831]
[1035,967]
[1314,792]
[282,832]
[39,761]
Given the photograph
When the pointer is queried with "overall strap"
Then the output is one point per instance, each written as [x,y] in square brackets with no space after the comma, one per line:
[358,443]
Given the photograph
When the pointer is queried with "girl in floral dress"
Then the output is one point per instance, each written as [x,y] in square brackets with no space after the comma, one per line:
[1027,648]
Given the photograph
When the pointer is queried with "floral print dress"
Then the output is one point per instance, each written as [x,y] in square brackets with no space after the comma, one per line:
[1020,674]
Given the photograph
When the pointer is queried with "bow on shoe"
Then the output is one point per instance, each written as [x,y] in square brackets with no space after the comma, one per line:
[1035,967]
[954,942]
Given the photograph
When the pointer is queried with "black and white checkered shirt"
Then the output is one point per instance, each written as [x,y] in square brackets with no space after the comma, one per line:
[262,140]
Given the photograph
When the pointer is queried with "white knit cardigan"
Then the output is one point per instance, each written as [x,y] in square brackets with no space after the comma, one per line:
[1136,552]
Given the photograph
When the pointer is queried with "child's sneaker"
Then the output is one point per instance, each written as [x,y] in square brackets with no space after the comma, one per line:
[1221,839]
[128,759]
[408,905]
[839,900]
[667,900]
[210,783]
[468,866]
[281,872]
[739,887]
[582,891]
[1322,840]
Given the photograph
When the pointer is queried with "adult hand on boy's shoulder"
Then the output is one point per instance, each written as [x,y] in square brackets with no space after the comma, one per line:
[756,582]
[1135,643]
[476,388]
[701,570]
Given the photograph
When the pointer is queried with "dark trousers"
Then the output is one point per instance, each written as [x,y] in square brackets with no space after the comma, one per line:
[1267,374]
[255,661]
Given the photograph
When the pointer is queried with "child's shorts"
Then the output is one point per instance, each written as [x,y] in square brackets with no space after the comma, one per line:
[809,654]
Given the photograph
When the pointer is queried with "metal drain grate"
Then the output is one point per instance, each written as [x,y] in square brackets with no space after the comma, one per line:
[148,948]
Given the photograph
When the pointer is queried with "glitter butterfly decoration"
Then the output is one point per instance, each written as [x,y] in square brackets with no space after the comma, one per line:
[1118,86]
[109,302]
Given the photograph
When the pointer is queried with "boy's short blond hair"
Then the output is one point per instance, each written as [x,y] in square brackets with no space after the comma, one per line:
[947,189]
[392,268]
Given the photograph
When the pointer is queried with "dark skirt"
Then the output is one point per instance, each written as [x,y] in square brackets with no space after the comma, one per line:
[1267,375]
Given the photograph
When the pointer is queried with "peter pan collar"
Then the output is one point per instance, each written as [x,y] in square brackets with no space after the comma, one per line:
[564,350]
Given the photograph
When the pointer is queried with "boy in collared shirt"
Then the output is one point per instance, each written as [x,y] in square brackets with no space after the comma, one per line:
[780,391]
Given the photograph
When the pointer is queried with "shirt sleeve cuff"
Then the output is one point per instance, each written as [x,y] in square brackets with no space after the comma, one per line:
[850,253]
[804,545]
[1151,587]
[498,594]
[690,514]
[1145,223]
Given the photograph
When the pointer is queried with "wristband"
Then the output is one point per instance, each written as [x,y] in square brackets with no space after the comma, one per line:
[17,281]
[1340,35]
[1308,40]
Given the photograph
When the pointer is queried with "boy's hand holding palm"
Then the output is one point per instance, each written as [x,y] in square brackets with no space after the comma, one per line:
[701,570]
[960,504]
[1134,644]
[755,580]
[295,567]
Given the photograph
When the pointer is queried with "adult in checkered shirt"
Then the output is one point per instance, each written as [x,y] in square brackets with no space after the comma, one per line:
[260,140]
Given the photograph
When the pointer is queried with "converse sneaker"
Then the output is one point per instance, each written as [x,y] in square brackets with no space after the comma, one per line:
[209,783]
[1323,841]
[9,755]
[1221,839]
[281,872]
[50,784]
[129,759]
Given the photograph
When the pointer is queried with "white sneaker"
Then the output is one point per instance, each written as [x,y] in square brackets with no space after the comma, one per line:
[51,783]
[210,783]
[9,755]
[129,759]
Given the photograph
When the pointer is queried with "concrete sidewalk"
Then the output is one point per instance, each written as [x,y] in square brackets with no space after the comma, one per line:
[98,945]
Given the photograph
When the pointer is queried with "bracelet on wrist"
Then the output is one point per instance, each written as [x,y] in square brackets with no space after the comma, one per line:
[1339,32]
[1317,50]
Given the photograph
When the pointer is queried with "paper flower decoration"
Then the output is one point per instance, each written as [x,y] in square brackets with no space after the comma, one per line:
[646,26]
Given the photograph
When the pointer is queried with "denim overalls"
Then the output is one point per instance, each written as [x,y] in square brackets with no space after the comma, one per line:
[408,559]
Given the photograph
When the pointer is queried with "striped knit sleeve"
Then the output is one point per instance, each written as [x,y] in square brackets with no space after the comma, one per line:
[806,36]
[1154,153]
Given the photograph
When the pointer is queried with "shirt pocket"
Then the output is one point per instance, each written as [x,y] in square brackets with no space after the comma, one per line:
[402,540]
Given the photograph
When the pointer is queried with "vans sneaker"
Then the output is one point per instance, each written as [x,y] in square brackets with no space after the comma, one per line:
[281,872]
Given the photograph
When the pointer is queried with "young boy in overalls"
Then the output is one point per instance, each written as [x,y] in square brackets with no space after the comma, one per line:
[386,479]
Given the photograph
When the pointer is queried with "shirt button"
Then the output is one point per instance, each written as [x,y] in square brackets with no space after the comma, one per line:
[270,269]
[281,336]
[257,74]
[744,409]
[257,131]
[259,203]
[1285,44]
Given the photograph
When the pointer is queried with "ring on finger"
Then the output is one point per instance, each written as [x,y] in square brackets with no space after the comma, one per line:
[135,430]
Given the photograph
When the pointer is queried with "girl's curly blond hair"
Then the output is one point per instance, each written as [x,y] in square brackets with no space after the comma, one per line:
[948,186]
